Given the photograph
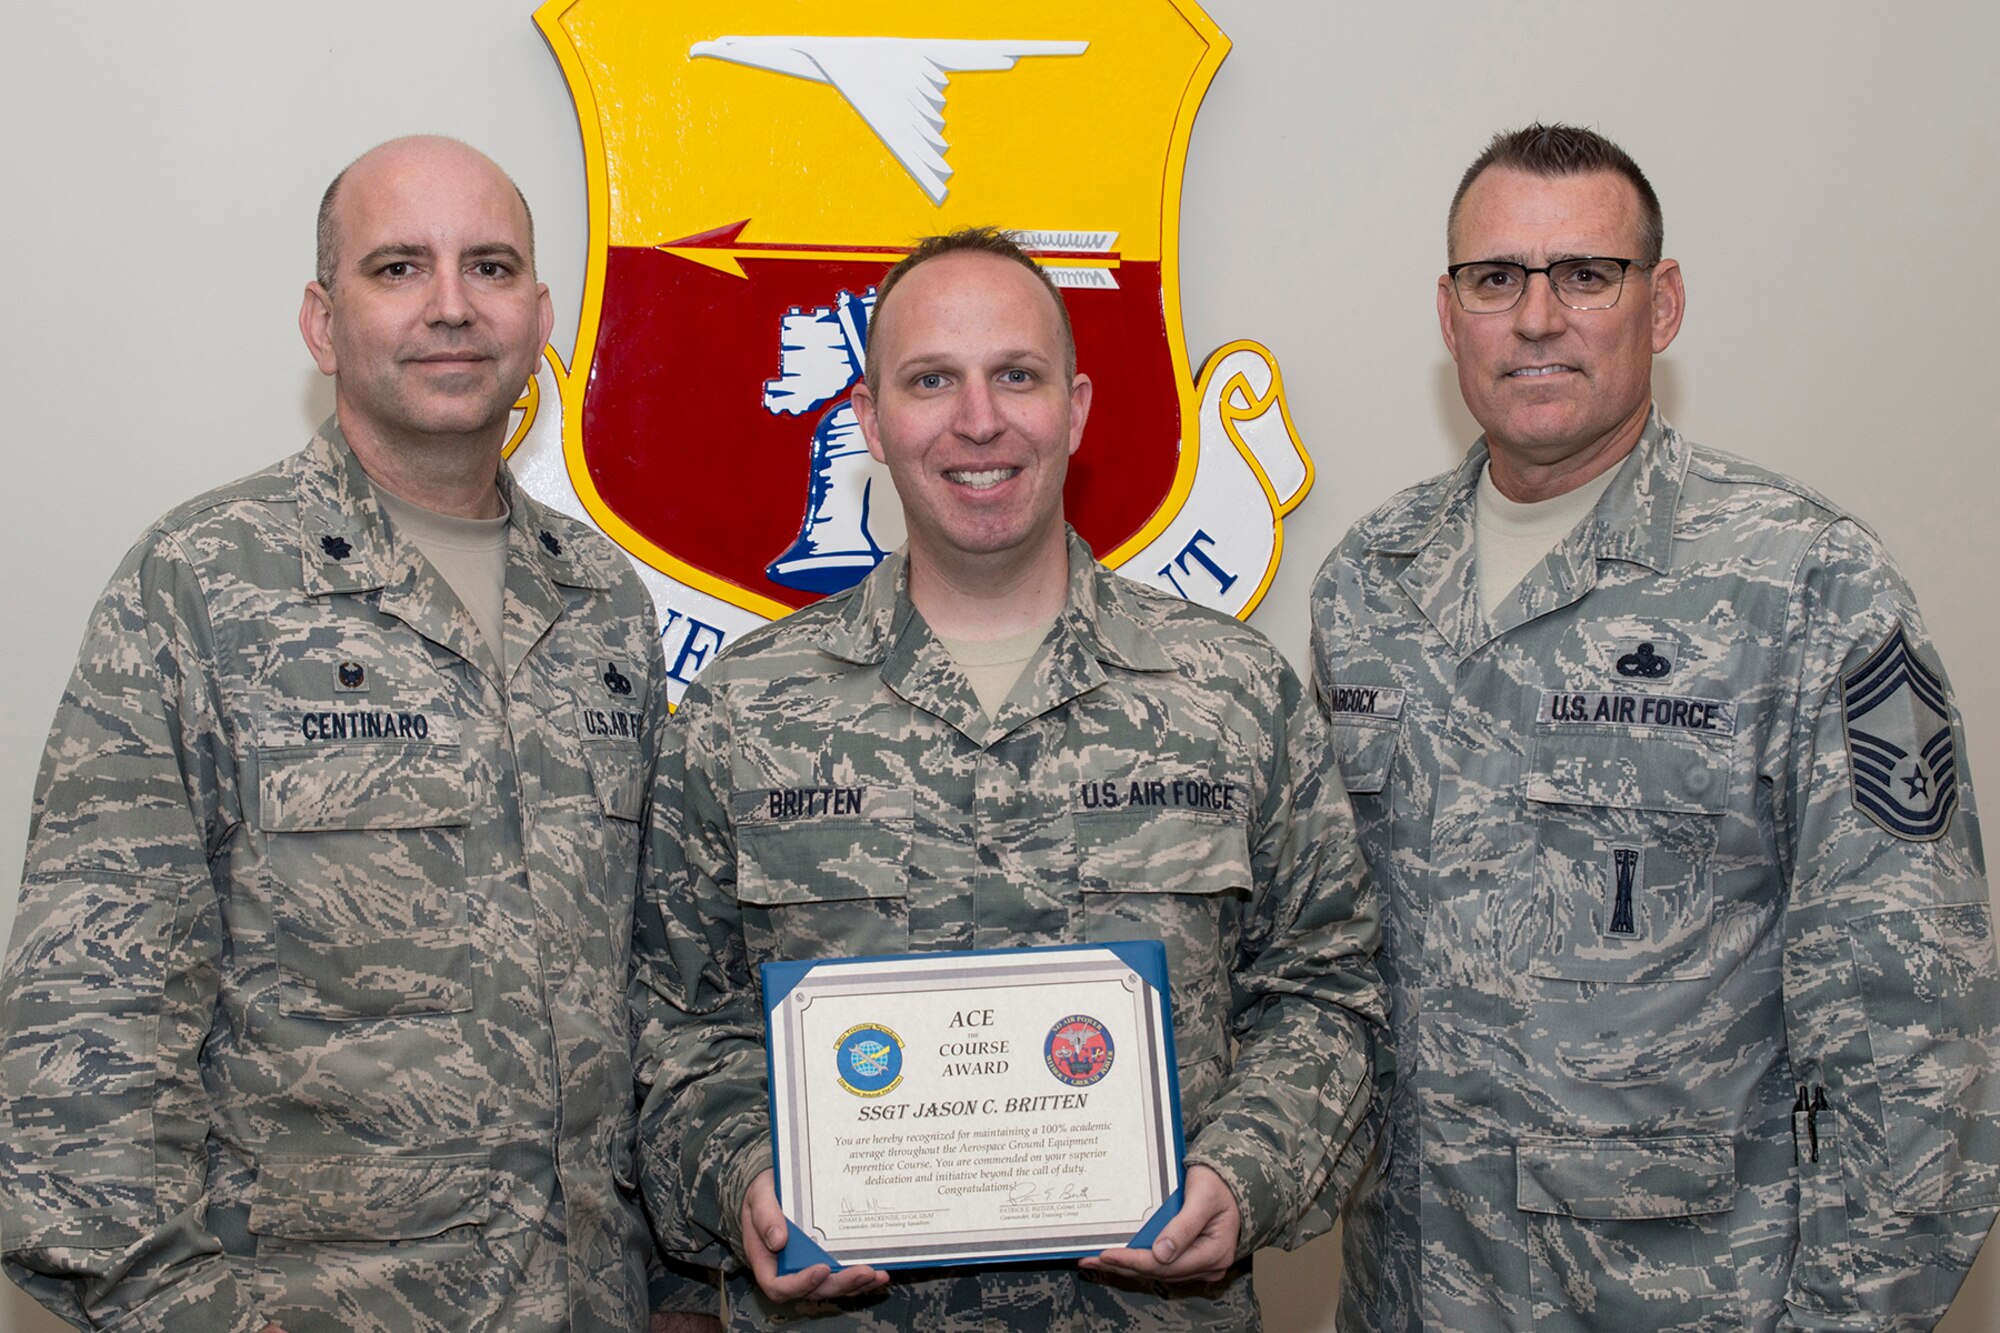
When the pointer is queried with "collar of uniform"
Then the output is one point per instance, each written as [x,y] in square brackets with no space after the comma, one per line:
[1411,521]
[1101,614]
[867,621]
[337,512]
[1634,519]
[867,618]
[343,543]
[580,559]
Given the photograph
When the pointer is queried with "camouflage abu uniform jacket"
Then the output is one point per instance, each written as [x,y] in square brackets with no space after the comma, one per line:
[316,1005]
[971,834]
[1693,985]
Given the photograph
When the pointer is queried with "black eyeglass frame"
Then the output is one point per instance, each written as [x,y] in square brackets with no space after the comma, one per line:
[1548,271]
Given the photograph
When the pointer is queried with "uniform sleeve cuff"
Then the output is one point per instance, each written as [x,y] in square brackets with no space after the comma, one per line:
[207,1302]
[1258,1203]
[754,1160]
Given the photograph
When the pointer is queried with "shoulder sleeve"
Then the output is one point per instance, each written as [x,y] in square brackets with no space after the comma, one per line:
[1892,991]
[1286,1130]
[110,981]
[704,1127]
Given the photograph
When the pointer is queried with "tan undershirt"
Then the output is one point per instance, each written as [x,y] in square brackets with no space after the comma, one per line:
[1510,538]
[994,665]
[471,553]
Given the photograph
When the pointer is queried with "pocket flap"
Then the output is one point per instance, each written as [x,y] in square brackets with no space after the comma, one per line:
[379,786]
[1658,772]
[369,1198]
[1678,1176]
[779,865]
[619,777]
[1364,750]
[1161,851]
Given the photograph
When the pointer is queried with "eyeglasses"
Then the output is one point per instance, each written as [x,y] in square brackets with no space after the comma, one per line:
[1489,286]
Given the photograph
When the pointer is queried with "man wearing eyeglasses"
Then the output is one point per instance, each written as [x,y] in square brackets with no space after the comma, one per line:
[1686,928]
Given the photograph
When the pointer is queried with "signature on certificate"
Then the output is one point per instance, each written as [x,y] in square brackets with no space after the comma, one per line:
[1067,1191]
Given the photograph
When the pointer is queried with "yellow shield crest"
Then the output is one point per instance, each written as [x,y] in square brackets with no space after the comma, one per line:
[753,168]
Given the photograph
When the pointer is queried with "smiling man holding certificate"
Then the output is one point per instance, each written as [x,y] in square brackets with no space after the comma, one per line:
[993,743]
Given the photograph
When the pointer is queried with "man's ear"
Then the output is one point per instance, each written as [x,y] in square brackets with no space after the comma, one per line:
[1079,410]
[1669,303]
[316,326]
[1446,304]
[863,399]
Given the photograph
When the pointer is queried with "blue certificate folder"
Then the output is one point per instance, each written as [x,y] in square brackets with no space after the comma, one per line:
[870,1074]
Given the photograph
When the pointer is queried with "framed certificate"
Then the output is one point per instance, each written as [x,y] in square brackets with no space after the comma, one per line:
[977,1107]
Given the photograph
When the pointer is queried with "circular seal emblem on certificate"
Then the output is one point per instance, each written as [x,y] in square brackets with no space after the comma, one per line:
[1078,1050]
[868,1059]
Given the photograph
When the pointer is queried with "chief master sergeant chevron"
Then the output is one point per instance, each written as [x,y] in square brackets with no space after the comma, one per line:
[315,1012]
[979,689]
[1686,930]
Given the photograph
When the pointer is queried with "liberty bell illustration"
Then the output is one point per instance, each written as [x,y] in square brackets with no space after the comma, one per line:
[852,518]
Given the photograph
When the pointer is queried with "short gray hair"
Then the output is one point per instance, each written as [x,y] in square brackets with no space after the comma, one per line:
[1550,151]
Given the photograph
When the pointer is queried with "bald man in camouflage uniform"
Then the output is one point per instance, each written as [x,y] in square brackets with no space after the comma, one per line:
[315,1014]
[1695,1008]
[1153,770]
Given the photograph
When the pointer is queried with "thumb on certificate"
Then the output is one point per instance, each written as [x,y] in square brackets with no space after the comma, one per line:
[1208,1216]
[765,1218]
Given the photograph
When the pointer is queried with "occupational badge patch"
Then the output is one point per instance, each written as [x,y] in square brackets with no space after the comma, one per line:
[1627,874]
[1645,662]
[868,1059]
[1078,1050]
[1899,742]
[753,168]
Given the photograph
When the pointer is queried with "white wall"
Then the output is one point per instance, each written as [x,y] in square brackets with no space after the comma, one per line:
[1828,169]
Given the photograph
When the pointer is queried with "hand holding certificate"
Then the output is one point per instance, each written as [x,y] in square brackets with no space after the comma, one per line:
[972,1107]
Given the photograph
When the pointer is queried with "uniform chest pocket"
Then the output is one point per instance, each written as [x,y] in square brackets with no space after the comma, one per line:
[618,775]
[1625,830]
[614,749]
[1176,876]
[828,875]
[365,850]
[1364,750]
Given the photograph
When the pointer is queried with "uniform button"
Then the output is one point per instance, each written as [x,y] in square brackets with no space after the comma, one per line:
[1698,780]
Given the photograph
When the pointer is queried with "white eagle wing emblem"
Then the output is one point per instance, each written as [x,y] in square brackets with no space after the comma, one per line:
[896,84]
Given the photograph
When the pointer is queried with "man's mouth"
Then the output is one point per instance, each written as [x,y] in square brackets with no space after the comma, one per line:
[982,480]
[1539,372]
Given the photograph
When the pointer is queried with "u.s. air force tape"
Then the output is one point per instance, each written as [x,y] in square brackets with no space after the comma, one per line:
[1667,712]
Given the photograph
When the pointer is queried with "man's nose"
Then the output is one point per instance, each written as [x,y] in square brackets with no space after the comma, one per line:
[978,413]
[449,303]
[1540,313]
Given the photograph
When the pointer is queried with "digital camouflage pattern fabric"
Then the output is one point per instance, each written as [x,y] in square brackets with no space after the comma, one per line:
[1685,1035]
[315,1010]
[972,833]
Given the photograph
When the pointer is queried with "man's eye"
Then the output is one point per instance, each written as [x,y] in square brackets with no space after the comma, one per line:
[1589,277]
[1016,376]
[1494,279]
[930,381]
[396,269]
[490,268]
